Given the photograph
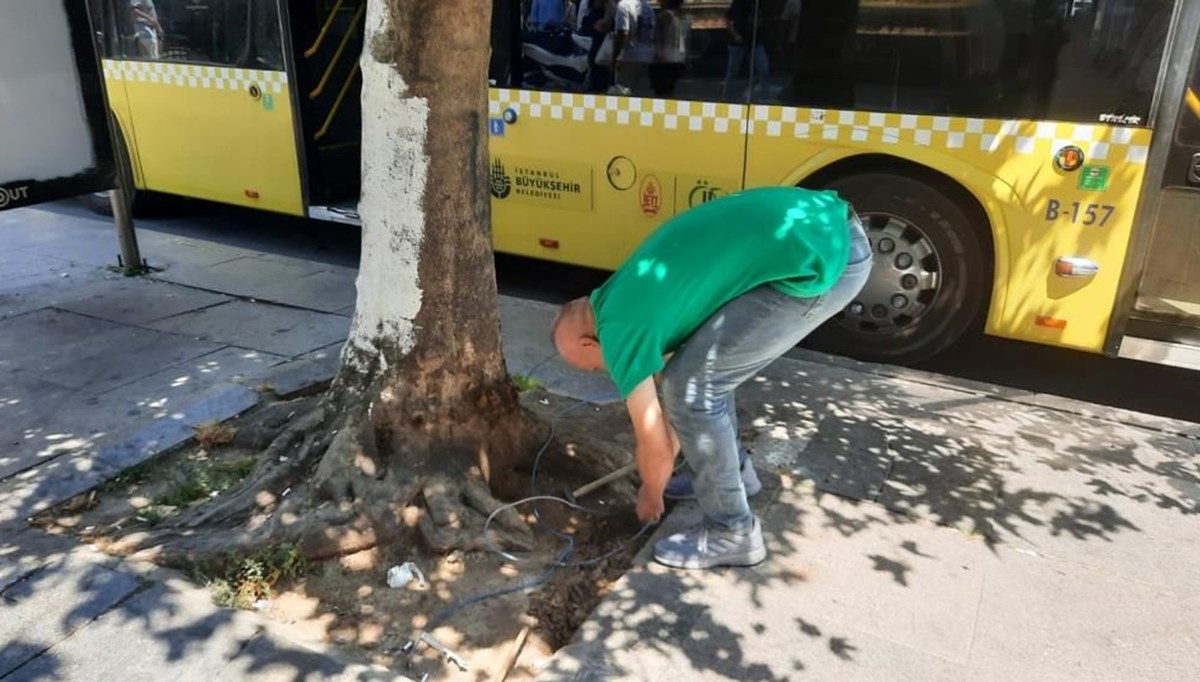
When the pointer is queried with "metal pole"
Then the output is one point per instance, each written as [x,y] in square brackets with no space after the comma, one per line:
[131,256]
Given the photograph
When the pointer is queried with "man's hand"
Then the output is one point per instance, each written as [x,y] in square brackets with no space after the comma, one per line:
[649,505]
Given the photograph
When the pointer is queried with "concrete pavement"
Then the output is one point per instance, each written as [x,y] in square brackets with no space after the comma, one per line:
[921,528]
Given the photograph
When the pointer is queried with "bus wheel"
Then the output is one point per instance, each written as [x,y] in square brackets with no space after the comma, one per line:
[928,283]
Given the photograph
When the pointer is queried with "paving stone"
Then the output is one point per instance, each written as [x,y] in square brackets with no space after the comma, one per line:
[247,276]
[327,290]
[1050,621]
[24,403]
[33,491]
[22,270]
[301,374]
[270,659]
[25,297]
[176,633]
[907,581]
[847,457]
[122,356]
[946,474]
[51,604]
[29,343]
[25,550]
[164,635]
[58,423]
[137,301]
[274,329]
[32,226]
[93,247]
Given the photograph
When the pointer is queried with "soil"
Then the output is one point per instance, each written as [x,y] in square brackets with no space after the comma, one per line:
[347,601]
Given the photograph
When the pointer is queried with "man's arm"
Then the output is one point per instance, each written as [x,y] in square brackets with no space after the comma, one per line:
[655,452]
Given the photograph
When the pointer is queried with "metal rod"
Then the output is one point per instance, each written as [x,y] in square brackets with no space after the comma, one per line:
[337,55]
[605,479]
[324,29]
[337,105]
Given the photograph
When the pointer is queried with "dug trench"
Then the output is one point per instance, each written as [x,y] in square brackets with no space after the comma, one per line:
[347,600]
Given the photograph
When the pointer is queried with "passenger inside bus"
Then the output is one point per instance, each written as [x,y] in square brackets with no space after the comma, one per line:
[632,48]
[147,31]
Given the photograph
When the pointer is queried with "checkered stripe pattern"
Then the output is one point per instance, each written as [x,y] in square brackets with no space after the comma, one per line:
[1100,143]
[195,76]
[709,117]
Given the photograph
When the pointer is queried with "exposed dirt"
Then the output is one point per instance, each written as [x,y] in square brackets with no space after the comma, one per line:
[347,600]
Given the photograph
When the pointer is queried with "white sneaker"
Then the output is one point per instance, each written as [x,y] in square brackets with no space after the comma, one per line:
[706,547]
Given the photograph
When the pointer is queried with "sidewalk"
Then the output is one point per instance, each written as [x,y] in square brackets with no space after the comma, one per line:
[926,529]
[921,528]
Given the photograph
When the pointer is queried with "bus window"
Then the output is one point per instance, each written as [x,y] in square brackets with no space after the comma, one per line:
[676,49]
[267,48]
[1034,59]
[192,31]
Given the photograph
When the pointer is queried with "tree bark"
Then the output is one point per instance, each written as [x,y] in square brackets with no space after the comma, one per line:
[431,366]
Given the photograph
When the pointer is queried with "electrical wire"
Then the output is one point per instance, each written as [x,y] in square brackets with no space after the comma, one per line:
[562,559]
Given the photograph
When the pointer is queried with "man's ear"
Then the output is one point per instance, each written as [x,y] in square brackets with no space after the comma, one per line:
[589,341]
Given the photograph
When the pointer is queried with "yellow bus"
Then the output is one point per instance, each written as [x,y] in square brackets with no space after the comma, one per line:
[1027,167]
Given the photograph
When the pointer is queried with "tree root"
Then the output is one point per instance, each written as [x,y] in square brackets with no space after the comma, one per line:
[274,473]
[456,513]
[322,485]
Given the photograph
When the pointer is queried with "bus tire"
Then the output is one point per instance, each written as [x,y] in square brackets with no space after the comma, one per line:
[929,280]
[98,202]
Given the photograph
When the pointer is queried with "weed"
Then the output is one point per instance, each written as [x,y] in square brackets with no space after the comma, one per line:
[525,383]
[248,578]
[151,516]
[134,475]
[199,481]
[214,434]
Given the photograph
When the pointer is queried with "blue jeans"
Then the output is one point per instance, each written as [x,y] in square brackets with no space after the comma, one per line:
[739,340]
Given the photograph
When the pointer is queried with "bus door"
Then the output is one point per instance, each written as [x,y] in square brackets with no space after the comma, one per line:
[584,162]
[1164,325]
[207,99]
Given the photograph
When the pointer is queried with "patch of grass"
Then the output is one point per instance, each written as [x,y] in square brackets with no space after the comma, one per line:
[214,434]
[198,481]
[248,578]
[134,475]
[525,383]
[151,516]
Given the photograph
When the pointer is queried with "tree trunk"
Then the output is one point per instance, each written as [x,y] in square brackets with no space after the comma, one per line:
[423,379]
[422,420]
[425,347]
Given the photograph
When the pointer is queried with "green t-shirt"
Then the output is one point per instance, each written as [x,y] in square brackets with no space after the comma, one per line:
[795,240]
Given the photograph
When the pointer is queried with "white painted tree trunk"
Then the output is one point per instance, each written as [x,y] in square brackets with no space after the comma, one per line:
[394,174]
